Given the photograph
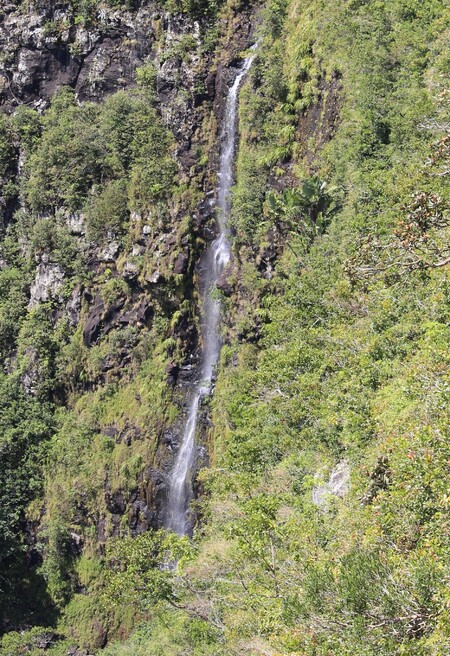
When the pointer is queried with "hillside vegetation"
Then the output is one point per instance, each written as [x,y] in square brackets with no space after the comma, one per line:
[335,363]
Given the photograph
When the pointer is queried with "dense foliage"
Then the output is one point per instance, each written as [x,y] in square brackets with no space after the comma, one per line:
[91,177]
[335,365]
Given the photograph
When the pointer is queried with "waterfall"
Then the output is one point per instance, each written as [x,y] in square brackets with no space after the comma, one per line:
[215,258]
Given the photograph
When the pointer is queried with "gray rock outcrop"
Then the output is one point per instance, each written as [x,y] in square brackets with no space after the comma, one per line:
[337,485]
[47,283]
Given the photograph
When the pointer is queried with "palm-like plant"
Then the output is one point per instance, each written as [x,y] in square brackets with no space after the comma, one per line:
[306,209]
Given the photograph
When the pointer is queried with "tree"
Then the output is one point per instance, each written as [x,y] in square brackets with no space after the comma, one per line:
[142,571]
[419,241]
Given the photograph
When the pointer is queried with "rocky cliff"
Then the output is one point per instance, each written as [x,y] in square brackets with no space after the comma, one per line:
[112,282]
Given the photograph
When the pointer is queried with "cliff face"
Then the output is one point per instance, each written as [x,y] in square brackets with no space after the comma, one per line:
[120,107]
[48,46]
[45,48]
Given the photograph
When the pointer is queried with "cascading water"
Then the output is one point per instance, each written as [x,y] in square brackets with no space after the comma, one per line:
[215,259]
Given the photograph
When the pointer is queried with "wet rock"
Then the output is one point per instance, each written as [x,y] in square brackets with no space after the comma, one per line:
[171,439]
[338,485]
[224,284]
[156,494]
[140,517]
[186,373]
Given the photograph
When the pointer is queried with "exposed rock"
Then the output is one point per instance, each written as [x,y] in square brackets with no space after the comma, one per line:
[76,651]
[43,50]
[186,373]
[76,543]
[45,639]
[130,270]
[76,224]
[144,310]
[338,485]
[93,324]
[224,284]
[181,263]
[318,123]
[115,502]
[101,529]
[47,283]
[73,306]
[110,431]
[156,491]
[172,371]
[100,635]
[46,50]
[142,517]
[109,252]
[101,320]
[137,250]
[31,375]
[154,277]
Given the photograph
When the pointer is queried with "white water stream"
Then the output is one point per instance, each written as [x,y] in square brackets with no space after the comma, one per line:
[215,259]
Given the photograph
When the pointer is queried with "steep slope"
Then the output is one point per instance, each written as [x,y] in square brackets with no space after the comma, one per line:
[325,530]
[324,527]
[105,213]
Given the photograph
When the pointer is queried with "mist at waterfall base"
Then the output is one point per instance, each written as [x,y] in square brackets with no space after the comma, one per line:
[215,259]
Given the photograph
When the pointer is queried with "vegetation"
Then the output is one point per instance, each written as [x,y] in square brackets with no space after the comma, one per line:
[335,363]
[87,11]
[65,393]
